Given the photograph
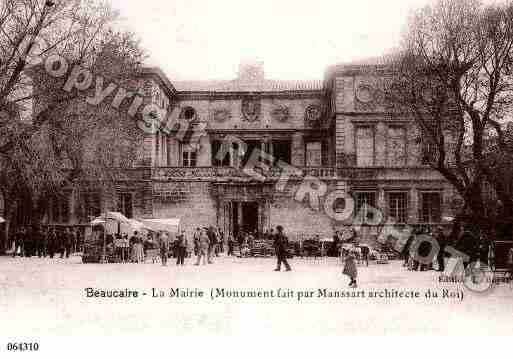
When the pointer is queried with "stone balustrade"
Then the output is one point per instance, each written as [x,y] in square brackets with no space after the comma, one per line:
[228,173]
[325,173]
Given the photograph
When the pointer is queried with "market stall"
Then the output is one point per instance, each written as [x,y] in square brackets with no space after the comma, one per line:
[102,244]
[170,225]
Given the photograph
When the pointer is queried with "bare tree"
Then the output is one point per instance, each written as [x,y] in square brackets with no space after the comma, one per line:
[454,76]
[67,144]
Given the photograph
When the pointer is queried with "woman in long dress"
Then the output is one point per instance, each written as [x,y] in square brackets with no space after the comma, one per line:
[350,268]
[133,248]
[140,250]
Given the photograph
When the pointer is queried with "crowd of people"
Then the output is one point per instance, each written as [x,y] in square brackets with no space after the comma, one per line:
[464,238]
[45,242]
[207,244]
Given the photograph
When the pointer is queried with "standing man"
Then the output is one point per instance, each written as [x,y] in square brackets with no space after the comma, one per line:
[52,242]
[181,248]
[38,239]
[280,245]
[442,243]
[163,241]
[21,242]
[212,243]
[196,239]
[16,238]
[230,245]
[29,241]
[78,239]
[203,246]
[69,240]
[61,240]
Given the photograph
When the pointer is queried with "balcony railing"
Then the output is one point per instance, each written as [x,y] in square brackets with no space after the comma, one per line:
[323,173]
[216,173]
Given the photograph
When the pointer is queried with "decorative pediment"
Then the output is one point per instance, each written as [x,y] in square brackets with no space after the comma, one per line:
[313,116]
[251,108]
[221,115]
[280,113]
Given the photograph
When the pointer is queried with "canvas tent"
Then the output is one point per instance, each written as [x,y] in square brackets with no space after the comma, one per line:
[171,225]
[112,216]
[132,226]
[115,220]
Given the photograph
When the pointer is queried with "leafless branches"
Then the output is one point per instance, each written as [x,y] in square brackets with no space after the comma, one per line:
[454,76]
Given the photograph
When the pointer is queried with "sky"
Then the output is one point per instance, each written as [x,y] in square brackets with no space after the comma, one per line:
[296,39]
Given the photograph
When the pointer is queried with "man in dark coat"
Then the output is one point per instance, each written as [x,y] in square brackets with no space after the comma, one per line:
[61,239]
[280,245]
[181,246]
[19,242]
[442,243]
[39,242]
[52,242]
[43,245]
[28,241]
[212,238]
[69,240]
[469,243]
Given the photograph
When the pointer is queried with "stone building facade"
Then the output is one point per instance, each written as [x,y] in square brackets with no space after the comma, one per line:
[335,133]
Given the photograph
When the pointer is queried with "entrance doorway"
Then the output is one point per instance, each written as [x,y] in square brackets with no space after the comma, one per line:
[250,216]
[244,217]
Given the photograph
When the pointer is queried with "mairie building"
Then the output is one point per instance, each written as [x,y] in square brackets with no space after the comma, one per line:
[336,130]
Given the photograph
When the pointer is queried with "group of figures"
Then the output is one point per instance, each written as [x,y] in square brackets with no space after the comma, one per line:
[208,243]
[464,238]
[36,241]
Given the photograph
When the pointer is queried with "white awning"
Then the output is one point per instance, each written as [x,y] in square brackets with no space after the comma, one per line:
[2,220]
[110,216]
[97,222]
[171,225]
[136,224]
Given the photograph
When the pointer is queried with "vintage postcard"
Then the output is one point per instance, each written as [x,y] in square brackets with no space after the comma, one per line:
[187,168]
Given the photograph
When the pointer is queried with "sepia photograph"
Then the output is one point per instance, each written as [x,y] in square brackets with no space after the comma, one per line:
[287,168]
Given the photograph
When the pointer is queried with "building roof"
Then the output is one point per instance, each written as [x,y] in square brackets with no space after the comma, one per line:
[237,85]
[251,78]
[384,60]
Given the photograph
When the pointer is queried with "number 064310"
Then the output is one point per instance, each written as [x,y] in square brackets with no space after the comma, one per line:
[29,347]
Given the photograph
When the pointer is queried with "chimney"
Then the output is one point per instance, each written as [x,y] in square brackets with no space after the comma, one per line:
[251,71]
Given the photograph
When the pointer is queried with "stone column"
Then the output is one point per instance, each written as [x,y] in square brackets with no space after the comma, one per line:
[239,215]
[146,152]
[173,154]
[298,150]
[381,201]
[380,144]
[413,145]
[205,152]
[340,142]
[164,162]
[73,206]
[344,103]
[413,206]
